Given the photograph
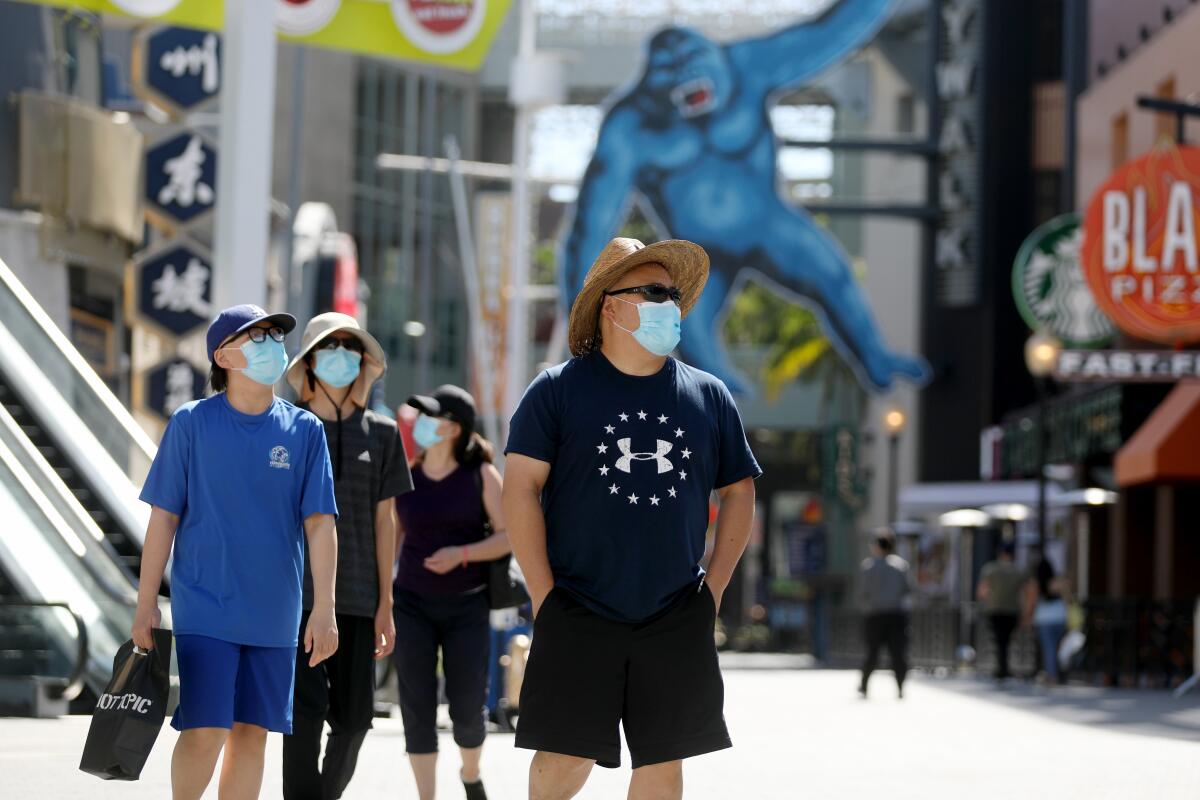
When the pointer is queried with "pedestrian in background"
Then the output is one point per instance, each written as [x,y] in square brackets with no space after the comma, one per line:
[241,482]
[612,459]
[1000,585]
[441,598]
[1047,610]
[883,591]
[332,375]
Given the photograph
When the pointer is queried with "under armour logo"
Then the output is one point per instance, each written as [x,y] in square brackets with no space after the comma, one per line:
[625,462]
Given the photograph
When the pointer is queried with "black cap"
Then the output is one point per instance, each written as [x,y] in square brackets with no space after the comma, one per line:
[449,401]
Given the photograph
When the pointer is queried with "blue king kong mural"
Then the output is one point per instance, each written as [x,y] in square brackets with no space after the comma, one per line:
[691,141]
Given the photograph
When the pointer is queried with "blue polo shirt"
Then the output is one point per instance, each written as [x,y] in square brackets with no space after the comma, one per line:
[633,462]
[242,486]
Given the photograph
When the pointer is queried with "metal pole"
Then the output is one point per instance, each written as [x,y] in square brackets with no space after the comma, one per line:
[292,273]
[425,268]
[244,158]
[1041,462]
[893,477]
[517,339]
[466,246]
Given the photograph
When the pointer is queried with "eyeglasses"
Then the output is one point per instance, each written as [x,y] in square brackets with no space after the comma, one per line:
[654,292]
[352,343]
[259,335]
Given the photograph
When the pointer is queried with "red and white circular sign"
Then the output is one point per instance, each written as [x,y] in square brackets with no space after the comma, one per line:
[1140,251]
[302,17]
[440,26]
[146,8]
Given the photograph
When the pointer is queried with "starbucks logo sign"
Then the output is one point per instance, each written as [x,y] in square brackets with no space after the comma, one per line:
[1050,287]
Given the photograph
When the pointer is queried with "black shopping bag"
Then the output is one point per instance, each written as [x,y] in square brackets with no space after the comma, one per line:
[130,713]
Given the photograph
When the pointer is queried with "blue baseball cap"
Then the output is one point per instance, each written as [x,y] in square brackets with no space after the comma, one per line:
[236,319]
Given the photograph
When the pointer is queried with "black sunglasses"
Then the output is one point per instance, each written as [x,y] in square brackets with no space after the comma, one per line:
[654,292]
[352,343]
[259,335]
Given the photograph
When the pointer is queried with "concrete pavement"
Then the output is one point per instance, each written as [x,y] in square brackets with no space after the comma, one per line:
[797,734]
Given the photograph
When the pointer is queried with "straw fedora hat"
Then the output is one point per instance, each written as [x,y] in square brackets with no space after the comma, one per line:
[374,362]
[686,262]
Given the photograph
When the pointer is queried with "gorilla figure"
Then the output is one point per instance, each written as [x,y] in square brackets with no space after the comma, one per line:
[692,137]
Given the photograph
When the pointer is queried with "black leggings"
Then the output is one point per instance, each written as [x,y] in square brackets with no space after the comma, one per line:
[459,626]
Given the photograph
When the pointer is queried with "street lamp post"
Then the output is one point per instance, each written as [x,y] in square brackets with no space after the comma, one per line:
[1041,356]
[893,421]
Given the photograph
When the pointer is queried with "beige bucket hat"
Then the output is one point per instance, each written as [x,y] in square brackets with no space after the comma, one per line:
[686,262]
[374,362]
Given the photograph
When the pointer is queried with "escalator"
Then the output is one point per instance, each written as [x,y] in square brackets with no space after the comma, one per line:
[71,461]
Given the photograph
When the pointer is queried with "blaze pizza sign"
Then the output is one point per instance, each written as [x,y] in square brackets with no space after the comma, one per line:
[1140,253]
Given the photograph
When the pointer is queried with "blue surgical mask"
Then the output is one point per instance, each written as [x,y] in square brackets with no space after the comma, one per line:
[658,326]
[266,361]
[338,367]
[425,432]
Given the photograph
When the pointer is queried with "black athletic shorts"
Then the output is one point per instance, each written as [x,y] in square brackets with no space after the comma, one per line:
[659,678]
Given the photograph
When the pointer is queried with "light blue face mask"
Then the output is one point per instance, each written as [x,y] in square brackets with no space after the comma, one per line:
[338,367]
[425,432]
[266,361]
[658,326]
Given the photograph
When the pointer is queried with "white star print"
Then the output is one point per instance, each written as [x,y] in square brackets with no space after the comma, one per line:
[683,476]
[624,417]
[678,432]
[609,429]
[604,470]
[641,415]
[653,500]
[686,453]
[671,491]
[662,419]
[633,498]
[603,448]
[614,489]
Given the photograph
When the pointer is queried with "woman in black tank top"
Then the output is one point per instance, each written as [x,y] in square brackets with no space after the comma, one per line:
[440,591]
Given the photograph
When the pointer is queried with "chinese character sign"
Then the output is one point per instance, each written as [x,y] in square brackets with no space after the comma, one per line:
[175,289]
[181,177]
[181,67]
[173,384]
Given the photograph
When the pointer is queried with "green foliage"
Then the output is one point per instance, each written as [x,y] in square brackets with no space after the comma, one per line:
[791,334]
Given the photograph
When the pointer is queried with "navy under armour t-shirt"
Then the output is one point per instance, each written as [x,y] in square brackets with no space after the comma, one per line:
[633,461]
[242,486]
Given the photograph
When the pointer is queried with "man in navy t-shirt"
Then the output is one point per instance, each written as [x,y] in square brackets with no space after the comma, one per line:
[612,458]
[241,480]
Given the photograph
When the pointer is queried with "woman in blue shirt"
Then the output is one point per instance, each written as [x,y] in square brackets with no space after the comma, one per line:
[241,480]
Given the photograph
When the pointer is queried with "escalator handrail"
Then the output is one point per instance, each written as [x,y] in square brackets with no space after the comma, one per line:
[127,596]
[122,416]
[90,458]
[75,682]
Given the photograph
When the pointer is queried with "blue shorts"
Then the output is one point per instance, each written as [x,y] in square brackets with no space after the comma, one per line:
[221,683]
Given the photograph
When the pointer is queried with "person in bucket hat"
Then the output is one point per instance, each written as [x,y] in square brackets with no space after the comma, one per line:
[612,458]
[241,486]
[332,375]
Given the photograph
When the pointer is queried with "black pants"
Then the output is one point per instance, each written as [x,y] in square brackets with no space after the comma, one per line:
[458,626]
[888,629]
[1003,626]
[340,691]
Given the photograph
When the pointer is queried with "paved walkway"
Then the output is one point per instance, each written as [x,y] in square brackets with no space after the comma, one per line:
[798,734]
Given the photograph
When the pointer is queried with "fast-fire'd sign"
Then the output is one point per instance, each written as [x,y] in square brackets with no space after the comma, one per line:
[1140,249]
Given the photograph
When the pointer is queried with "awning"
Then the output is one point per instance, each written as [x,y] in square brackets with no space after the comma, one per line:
[1165,448]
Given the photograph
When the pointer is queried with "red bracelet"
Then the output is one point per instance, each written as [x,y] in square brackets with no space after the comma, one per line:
[466,551]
